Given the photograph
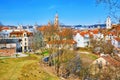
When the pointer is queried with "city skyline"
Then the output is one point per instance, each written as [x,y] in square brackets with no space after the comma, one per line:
[85,12]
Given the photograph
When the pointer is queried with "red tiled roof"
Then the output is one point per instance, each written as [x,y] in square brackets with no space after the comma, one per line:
[5,28]
[117,39]
[111,60]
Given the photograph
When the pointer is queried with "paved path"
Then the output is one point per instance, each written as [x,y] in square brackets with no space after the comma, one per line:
[83,52]
[20,55]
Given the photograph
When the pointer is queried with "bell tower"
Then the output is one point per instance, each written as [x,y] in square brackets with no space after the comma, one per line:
[108,23]
[56,21]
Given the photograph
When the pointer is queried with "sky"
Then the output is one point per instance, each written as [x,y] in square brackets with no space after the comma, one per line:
[71,12]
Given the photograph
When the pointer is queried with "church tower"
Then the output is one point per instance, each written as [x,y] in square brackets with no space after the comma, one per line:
[56,21]
[108,23]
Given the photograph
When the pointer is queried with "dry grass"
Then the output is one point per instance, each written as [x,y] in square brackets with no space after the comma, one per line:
[33,72]
[21,68]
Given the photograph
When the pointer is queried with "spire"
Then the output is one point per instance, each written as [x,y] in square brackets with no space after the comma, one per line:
[56,15]
[35,26]
[49,24]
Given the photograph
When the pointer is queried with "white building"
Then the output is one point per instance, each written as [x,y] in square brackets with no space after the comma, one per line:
[5,33]
[28,28]
[82,40]
[116,42]
[96,34]
[108,23]
[106,60]
[23,36]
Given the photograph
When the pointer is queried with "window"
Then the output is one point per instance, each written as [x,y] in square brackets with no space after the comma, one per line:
[25,39]
[25,43]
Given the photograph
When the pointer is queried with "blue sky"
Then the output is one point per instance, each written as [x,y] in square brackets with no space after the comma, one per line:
[71,12]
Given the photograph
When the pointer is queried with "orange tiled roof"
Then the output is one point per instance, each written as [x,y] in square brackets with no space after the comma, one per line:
[75,32]
[16,32]
[110,33]
[29,33]
[118,28]
[21,32]
[95,31]
[83,33]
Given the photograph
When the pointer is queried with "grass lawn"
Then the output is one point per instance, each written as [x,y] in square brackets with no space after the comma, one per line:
[87,59]
[26,68]
[89,56]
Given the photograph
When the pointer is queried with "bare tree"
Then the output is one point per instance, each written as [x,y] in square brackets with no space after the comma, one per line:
[101,46]
[37,41]
[113,6]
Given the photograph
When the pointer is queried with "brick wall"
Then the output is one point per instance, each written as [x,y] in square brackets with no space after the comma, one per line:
[7,52]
